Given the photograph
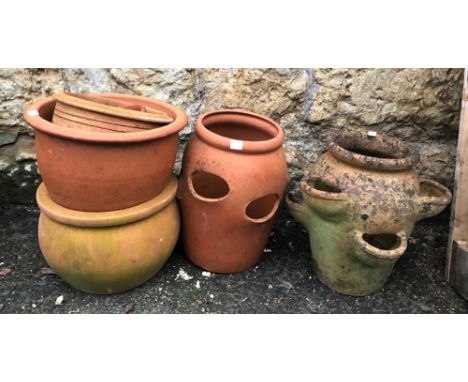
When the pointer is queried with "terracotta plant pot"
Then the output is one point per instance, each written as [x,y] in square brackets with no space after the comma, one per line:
[234,174]
[99,113]
[360,205]
[108,252]
[96,171]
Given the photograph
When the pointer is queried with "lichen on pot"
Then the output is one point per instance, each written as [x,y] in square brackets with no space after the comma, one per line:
[233,178]
[104,171]
[361,201]
[108,252]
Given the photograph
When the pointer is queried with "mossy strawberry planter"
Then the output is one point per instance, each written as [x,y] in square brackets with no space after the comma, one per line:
[360,204]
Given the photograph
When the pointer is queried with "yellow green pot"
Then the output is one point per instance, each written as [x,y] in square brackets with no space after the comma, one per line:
[109,252]
[360,203]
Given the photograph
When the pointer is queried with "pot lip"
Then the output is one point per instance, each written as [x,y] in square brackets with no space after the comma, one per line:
[236,145]
[32,115]
[383,254]
[408,161]
[108,218]
[440,200]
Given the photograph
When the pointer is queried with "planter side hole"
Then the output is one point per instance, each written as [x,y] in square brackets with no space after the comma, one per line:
[385,241]
[263,208]
[209,186]
[427,189]
[322,186]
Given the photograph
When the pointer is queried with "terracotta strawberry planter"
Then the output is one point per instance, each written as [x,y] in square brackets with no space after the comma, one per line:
[104,171]
[108,252]
[360,205]
[234,174]
[99,113]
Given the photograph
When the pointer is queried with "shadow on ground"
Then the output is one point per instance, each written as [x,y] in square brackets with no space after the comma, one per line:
[282,282]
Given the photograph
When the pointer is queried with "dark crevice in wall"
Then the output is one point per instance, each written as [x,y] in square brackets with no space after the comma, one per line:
[200,91]
[312,88]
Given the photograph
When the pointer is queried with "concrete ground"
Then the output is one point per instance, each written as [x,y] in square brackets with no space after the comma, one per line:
[282,282]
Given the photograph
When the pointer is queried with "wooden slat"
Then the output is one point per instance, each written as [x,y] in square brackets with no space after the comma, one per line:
[101,120]
[101,104]
[459,272]
[459,219]
[74,123]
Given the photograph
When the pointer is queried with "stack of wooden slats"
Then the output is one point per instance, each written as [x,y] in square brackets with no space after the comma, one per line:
[97,113]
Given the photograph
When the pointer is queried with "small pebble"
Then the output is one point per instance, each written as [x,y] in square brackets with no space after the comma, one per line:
[183,275]
[47,271]
[59,300]
[128,308]
[5,271]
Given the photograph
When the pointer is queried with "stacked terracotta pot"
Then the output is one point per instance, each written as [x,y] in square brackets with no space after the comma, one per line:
[109,220]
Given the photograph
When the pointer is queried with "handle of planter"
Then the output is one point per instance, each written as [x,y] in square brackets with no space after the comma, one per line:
[298,210]
[372,255]
[432,199]
[324,198]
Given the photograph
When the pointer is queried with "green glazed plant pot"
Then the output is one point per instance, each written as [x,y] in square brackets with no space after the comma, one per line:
[113,251]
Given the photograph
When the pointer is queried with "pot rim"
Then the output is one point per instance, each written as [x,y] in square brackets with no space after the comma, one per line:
[317,193]
[443,199]
[107,218]
[409,156]
[32,114]
[383,254]
[236,145]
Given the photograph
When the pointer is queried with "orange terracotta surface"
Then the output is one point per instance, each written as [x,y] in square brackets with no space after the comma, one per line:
[233,178]
[104,171]
[108,252]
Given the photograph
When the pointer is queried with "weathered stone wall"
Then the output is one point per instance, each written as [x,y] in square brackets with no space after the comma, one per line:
[420,106]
